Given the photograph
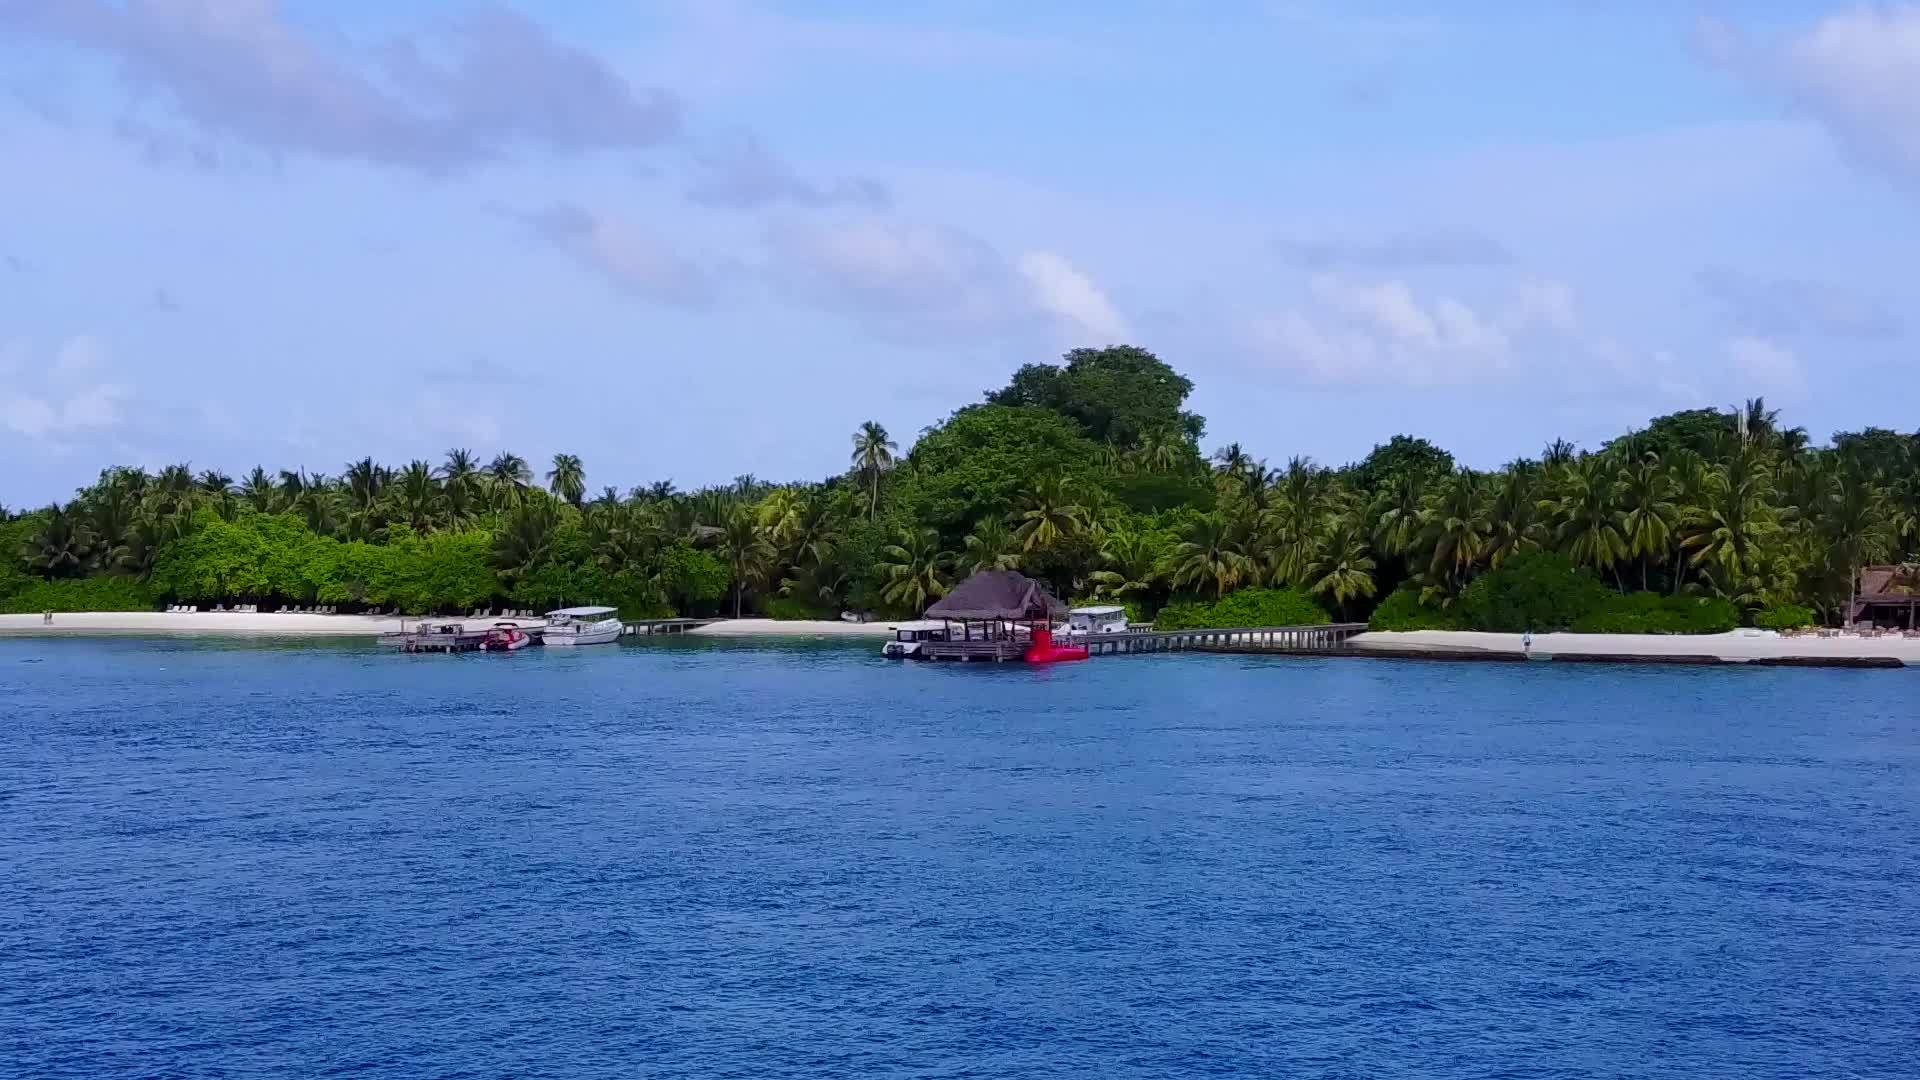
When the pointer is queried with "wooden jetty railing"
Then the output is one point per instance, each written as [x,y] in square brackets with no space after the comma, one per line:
[1324,638]
[1284,640]
[645,627]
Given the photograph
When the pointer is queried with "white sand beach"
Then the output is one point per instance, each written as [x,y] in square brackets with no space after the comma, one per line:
[793,628]
[1735,647]
[267,624]
[263,624]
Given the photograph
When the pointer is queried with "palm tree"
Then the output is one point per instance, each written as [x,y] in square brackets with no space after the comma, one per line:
[1455,529]
[990,546]
[1211,552]
[216,488]
[914,569]
[526,537]
[1587,518]
[287,492]
[318,503]
[1646,494]
[62,547]
[1344,567]
[364,482]
[1689,477]
[1049,514]
[1133,562]
[460,470]
[873,454]
[660,491]
[1514,524]
[258,490]
[568,478]
[1296,521]
[1856,528]
[1559,452]
[419,495]
[747,552]
[1728,531]
[1231,460]
[1397,513]
[508,477]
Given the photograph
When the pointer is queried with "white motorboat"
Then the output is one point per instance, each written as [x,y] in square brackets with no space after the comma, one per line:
[907,637]
[1104,619]
[583,626]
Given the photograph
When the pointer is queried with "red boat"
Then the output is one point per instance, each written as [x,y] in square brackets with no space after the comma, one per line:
[506,637]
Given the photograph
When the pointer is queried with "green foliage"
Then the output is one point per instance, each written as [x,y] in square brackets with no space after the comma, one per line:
[979,462]
[791,609]
[1532,591]
[1120,395]
[1653,613]
[1699,430]
[1403,610]
[1152,493]
[1784,617]
[1400,456]
[692,578]
[80,594]
[1247,607]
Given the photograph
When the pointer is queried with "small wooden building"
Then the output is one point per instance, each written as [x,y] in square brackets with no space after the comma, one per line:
[1888,596]
[991,616]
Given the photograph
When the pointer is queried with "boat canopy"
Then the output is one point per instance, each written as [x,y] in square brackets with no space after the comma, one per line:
[583,612]
[997,594]
[921,626]
[1104,609]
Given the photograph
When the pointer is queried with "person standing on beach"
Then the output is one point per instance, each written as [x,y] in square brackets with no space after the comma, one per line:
[1526,643]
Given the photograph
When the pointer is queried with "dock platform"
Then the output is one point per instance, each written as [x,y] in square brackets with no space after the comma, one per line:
[1322,639]
[1281,640]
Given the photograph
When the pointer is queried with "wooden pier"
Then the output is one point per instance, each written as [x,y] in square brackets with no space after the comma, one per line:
[1277,640]
[1282,640]
[437,637]
[649,627]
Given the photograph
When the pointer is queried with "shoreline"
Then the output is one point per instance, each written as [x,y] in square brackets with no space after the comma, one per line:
[1760,647]
[289,625]
[1756,647]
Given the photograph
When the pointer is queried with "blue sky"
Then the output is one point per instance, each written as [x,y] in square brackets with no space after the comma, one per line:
[688,240]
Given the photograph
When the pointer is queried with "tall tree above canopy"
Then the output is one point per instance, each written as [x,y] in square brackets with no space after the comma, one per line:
[1400,456]
[873,452]
[1121,395]
[1698,430]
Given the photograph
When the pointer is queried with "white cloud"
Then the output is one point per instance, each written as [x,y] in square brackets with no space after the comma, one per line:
[1764,364]
[71,394]
[1856,71]
[1062,290]
[624,252]
[475,88]
[1387,334]
[1362,331]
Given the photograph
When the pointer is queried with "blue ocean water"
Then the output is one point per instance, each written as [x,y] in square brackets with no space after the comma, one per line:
[754,861]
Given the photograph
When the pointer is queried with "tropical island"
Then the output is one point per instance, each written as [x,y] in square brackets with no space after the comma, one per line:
[1088,475]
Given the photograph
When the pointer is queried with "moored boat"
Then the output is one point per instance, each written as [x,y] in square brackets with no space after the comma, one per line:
[506,637]
[583,626]
[908,637]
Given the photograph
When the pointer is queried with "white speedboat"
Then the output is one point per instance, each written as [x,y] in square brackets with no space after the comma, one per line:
[1105,619]
[908,636]
[583,626]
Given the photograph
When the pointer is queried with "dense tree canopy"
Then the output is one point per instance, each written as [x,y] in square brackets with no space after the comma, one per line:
[1086,475]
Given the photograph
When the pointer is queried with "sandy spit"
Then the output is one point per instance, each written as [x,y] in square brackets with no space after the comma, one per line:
[1740,645]
[219,623]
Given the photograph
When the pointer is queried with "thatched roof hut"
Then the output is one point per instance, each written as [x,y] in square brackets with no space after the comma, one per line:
[997,594]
